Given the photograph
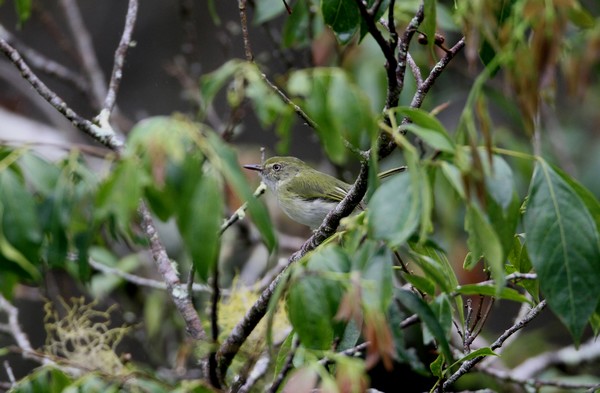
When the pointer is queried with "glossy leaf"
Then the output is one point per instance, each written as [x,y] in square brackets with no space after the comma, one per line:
[562,241]
[343,16]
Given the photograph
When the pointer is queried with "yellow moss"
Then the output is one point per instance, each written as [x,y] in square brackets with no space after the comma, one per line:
[81,336]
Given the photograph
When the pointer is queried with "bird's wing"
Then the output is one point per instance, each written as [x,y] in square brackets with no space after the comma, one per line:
[309,187]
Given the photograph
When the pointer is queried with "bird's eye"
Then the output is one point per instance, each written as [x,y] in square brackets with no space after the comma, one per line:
[276,167]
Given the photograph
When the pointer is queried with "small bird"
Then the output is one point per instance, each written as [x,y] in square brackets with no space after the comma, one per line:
[303,193]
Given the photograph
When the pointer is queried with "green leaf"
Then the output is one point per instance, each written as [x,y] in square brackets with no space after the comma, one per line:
[581,17]
[225,159]
[425,313]
[297,25]
[19,224]
[490,290]
[483,241]
[427,128]
[562,241]
[315,295]
[454,177]
[265,10]
[211,83]
[343,16]
[394,211]
[423,284]
[350,111]
[199,222]
[376,280]
[486,351]
[119,195]
[429,22]
[310,312]
[314,87]
[23,8]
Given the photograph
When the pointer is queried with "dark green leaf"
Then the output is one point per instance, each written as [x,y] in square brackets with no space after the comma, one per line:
[225,159]
[23,8]
[199,222]
[297,25]
[343,16]
[19,224]
[484,242]
[425,313]
[423,284]
[562,241]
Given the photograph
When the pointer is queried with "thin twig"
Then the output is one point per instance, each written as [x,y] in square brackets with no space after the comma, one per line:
[435,72]
[213,374]
[85,47]
[506,376]
[240,213]
[14,329]
[245,36]
[103,135]
[469,364]
[141,281]
[258,371]
[9,372]
[44,64]
[117,72]
[416,71]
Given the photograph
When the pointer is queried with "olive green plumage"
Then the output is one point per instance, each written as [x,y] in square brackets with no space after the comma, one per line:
[304,194]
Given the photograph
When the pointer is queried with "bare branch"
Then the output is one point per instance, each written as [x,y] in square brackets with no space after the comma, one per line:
[245,36]
[42,63]
[104,135]
[9,372]
[85,47]
[415,70]
[117,72]
[469,364]
[435,72]
[536,383]
[141,281]
[176,289]
[14,329]
[403,45]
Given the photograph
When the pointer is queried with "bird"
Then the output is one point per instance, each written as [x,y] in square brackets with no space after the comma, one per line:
[305,194]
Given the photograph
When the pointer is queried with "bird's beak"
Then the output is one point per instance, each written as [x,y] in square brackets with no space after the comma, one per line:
[254,167]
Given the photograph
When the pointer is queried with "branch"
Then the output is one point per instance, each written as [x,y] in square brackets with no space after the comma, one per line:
[393,89]
[13,328]
[537,383]
[245,36]
[469,364]
[104,135]
[141,281]
[42,63]
[117,72]
[176,289]
[435,72]
[286,368]
[403,45]
[85,47]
